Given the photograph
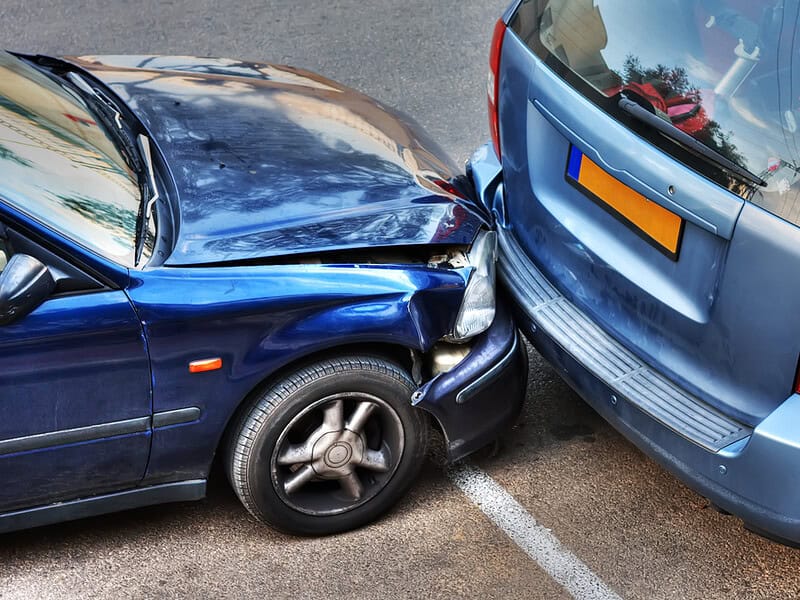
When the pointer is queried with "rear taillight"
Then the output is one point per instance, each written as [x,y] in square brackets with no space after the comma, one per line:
[494,83]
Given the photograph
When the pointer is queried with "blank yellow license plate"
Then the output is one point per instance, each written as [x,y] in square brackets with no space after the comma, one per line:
[657,225]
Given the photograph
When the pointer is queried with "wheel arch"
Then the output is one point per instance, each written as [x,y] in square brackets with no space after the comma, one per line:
[345,421]
[404,356]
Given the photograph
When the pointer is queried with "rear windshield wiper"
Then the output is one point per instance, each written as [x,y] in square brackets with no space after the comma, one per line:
[640,113]
[111,117]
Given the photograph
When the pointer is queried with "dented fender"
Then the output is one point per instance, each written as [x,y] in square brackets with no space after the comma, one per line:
[260,319]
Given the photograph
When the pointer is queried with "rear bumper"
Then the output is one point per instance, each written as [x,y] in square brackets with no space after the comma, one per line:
[751,473]
[482,395]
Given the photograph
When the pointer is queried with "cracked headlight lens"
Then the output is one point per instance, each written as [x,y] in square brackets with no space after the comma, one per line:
[478,306]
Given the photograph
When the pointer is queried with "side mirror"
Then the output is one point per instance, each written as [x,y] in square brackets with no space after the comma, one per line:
[24,284]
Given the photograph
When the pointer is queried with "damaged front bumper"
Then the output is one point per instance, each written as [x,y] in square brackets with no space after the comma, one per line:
[483,394]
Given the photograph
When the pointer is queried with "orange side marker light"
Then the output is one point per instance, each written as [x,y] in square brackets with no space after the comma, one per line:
[205,364]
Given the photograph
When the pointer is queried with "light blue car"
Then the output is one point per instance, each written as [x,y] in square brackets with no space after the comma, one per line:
[644,178]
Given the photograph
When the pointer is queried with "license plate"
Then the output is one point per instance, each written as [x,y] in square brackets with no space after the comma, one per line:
[654,223]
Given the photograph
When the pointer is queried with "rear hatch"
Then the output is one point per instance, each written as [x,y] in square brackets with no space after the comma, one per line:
[686,256]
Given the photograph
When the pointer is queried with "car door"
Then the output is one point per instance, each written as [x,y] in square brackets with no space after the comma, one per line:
[75,391]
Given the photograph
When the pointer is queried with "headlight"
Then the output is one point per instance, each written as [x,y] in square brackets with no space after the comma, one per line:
[478,306]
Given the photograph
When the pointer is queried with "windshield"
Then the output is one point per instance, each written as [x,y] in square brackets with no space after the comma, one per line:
[722,71]
[58,165]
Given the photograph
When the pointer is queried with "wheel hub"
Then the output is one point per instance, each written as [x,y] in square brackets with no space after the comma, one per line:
[337,451]
[336,454]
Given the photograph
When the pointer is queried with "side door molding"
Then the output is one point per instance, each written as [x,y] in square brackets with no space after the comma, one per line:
[61,437]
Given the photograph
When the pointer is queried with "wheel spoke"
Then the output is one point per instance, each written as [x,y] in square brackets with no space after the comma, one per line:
[351,485]
[360,415]
[375,460]
[298,479]
[333,419]
[294,454]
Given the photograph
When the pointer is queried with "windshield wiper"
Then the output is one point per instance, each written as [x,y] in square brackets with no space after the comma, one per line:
[111,117]
[137,154]
[669,130]
[149,200]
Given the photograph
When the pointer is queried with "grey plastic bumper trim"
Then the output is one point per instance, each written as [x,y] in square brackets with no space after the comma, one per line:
[609,360]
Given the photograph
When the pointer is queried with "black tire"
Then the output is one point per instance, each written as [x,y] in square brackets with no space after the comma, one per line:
[310,415]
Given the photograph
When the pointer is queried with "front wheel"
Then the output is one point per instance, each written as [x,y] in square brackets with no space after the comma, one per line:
[330,447]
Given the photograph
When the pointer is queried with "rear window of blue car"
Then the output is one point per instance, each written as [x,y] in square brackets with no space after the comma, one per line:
[722,71]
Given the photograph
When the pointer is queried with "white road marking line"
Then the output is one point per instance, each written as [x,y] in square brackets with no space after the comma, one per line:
[535,540]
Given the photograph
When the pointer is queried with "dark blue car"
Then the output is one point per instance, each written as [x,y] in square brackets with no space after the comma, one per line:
[210,258]
[645,177]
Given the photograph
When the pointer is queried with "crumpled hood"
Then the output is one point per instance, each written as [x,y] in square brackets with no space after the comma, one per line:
[270,160]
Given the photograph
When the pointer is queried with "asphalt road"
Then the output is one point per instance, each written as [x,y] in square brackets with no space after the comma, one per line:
[637,528]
